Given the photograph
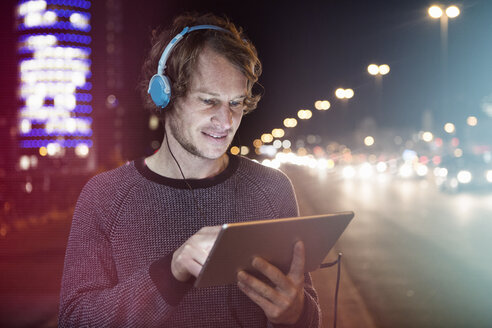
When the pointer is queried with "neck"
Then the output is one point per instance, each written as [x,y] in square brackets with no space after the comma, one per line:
[193,167]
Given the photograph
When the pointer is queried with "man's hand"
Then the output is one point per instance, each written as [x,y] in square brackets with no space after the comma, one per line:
[190,257]
[284,302]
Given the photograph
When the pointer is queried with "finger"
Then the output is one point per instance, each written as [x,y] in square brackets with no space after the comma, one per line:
[261,301]
[193,267]
[296,271]
[257,285]
[195,253]
[201,256]
[272,272]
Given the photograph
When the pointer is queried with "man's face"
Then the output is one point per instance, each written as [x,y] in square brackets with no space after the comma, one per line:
[205,120]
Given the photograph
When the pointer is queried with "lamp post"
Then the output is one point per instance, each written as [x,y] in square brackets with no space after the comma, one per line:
[378,71]
[436,12]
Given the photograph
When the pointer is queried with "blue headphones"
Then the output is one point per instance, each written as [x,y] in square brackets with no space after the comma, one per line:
[159,86]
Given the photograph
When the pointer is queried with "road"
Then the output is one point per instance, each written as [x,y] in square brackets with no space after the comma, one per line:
[419,257]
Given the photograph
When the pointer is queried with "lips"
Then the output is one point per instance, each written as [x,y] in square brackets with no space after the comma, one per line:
[216,135]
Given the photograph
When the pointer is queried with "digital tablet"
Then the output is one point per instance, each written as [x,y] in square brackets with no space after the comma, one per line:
[238,243]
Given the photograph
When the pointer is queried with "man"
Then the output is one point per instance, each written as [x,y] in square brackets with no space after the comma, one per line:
[141,233]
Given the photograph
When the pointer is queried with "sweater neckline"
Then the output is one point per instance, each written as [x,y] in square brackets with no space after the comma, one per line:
[147,173]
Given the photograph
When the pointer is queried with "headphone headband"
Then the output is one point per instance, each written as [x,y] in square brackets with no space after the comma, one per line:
[177,38]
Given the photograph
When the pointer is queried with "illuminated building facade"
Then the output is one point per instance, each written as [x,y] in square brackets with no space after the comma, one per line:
[54,116]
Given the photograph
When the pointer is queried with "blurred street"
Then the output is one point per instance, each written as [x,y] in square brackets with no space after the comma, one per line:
[419,257]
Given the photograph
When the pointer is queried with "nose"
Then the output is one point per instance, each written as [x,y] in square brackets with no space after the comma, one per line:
[223,117]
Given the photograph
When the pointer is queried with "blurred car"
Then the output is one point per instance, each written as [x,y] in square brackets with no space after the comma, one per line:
[466,173]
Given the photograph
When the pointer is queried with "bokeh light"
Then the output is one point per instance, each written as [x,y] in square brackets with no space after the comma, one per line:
[427,136]
[471,121]
[244,150]
[304,114]
[322,105]
[82,150]
[452,11]
[435,12]
[349,93]
[235,150]
[278,133]
[373,69]
[384,69]
[340,93]
[369,141]
[464,176]
[266,138]
[290,122]
[449,127]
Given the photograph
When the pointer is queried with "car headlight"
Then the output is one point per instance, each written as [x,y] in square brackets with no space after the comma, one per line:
[441,172]
[365,171]
[405,171]
[422,170]
[348,172]
[464,176]
[488,175]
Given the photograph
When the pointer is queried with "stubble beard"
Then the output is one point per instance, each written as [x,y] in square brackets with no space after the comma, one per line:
[187,144]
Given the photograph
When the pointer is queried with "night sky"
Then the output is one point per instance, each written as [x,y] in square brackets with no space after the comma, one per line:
[310,48]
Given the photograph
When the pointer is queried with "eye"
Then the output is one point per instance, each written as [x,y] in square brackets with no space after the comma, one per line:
[236,103]
[209,102]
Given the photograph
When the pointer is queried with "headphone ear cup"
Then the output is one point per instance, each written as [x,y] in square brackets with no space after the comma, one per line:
[160,90]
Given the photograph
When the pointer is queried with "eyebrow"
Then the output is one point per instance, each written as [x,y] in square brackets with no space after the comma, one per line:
[216,94]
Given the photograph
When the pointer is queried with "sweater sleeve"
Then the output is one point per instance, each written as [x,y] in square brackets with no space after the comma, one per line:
[91,293]
[311,315]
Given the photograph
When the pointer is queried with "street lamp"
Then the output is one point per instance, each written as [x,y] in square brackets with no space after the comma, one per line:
[290,122]
[450,12]
[437,12]
[304,114]
[322,105]
[341,93]
[374,69]
[278,133]
[384,69]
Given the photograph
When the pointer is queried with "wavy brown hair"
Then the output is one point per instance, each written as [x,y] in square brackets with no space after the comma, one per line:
[183,59]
